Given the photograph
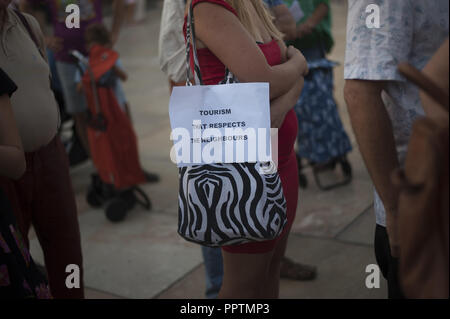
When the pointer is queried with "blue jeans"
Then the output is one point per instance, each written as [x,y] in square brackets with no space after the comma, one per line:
[214,271]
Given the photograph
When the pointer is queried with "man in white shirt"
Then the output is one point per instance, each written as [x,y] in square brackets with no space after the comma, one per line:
[382,104]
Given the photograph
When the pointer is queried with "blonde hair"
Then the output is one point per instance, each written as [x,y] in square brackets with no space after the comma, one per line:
[242,8]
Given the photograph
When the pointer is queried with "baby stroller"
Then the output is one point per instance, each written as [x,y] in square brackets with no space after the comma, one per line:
[67,131]
[112,140]
[322,140]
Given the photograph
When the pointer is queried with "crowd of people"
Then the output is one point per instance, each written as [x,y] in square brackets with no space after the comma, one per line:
[281,42]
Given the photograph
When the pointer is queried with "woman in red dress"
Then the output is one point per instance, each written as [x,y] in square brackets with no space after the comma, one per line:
[241,35]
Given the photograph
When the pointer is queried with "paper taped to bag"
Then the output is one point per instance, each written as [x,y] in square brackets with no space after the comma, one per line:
[227,123]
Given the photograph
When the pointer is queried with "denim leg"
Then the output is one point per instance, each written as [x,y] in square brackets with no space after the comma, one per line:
[214,271]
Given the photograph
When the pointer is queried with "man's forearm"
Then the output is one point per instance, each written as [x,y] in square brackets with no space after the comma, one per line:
[285,21]
[319,14]
[437,70]
[374,134]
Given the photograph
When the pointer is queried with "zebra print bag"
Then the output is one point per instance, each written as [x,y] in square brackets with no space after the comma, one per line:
[228,204]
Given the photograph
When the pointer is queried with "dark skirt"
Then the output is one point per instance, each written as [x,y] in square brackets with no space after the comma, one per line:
[19,276]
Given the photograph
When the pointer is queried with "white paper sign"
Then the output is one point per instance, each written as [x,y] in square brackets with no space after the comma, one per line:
[296,11]
[227,123]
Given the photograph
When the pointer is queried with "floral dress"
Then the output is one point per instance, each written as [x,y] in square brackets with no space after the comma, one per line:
[321,135]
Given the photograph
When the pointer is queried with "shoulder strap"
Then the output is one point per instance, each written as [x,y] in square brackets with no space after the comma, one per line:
[191,39]
[30,32]
[222,3]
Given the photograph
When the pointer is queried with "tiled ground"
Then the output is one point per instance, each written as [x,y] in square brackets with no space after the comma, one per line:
[143,257]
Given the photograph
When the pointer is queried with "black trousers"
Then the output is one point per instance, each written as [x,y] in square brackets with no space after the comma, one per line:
[388,264]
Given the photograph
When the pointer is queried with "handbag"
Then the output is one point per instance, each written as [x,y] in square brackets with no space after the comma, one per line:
[227,203]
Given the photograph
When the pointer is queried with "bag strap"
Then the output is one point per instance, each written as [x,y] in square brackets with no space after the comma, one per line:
[190,37]
[27,26]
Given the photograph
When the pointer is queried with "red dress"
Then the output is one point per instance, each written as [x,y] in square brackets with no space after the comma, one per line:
[213,72]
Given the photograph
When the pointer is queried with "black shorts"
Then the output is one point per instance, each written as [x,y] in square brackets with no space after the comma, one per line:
[388,264]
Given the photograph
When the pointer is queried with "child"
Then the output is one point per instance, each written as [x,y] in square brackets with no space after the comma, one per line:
[98,34]
[322,139]
[19,277]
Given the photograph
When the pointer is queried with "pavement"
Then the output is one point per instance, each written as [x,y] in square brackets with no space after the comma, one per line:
[143,257]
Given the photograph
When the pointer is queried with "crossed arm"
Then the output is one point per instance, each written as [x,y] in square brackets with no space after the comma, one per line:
[224,35]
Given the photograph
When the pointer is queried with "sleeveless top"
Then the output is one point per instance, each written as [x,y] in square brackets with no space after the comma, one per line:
[211,68]
[213,72]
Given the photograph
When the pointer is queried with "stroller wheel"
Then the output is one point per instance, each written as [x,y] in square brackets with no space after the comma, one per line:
[129,197]
[142,198]
[116,210]
[331,165]
[93,198]
[302,180]
[346,167]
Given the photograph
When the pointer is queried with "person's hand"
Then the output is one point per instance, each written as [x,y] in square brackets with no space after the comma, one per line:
[54,43]
[277,117]
[294,53]
[291,52]
[280,106]
[305,29]
[392,230]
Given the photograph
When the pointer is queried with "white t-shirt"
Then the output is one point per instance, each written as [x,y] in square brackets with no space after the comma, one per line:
[172,49]
[34,104]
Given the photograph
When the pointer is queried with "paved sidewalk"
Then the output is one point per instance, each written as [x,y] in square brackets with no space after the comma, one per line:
[143,257]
